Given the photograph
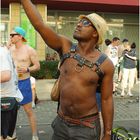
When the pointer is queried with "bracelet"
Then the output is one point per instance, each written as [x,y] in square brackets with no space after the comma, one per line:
[28,70]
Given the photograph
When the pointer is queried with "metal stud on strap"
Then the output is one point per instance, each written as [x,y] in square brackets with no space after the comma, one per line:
[73,48]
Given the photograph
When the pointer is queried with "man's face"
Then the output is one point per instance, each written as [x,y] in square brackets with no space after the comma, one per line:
[84,30]
[128,47]
[15,37]
[116,43]
[125,44]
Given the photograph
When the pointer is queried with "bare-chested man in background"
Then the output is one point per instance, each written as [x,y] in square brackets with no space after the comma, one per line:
[26,61]
[77,117]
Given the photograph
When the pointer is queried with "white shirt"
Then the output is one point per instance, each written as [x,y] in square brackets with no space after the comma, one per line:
[113,54]
[10,88]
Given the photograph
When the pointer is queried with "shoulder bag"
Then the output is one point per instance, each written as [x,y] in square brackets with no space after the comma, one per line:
[55,91]
[8,103]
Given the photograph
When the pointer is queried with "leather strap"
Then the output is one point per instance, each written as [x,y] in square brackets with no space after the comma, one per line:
[68,55]
[85,122]
[82,61]
[98,63]
[101,59]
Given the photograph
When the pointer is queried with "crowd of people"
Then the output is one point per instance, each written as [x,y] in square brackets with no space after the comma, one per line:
[25,60]
[82,70]
[124,58]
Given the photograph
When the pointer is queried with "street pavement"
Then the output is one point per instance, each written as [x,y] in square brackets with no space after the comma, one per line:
[126,112]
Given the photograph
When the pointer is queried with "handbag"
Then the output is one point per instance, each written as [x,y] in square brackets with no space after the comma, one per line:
[121,133]
[8,103]
[55,92]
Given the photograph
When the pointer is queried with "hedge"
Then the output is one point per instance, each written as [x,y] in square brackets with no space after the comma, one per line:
[48,70]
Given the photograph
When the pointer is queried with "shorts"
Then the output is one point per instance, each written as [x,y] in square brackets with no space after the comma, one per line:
[8,122]
[64,130]
[25,88]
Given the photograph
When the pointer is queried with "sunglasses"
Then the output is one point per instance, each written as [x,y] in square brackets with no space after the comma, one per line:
[12,35]
[85,23]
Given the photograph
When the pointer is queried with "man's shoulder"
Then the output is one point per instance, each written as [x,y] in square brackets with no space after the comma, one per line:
[30,49]
[28,46]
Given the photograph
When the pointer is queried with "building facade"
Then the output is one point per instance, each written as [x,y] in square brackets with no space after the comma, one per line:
[122,18]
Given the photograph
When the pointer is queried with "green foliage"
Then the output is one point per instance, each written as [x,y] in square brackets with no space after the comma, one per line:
[48,70]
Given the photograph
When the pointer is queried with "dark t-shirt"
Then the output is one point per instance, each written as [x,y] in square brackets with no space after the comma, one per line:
[128,62]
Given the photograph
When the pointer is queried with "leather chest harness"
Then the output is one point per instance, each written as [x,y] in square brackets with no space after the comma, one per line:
[82,61]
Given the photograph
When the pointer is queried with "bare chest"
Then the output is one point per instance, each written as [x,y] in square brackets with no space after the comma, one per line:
[21,56]
[71,70]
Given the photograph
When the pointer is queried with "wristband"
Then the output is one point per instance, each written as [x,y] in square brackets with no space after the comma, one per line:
[28,70]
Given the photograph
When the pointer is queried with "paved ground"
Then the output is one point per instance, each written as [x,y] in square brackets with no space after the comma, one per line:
[126,113]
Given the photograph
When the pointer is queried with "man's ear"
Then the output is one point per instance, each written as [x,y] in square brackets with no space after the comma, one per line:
[95,34]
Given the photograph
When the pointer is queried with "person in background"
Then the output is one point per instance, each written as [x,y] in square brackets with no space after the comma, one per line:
[129,70]
[78,112]
[133,49]
[112,50]
[122,47]
[107,42]
[112,53]
[9,88]
[26,61]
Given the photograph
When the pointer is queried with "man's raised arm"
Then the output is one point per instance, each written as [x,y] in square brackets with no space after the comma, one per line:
[50,37]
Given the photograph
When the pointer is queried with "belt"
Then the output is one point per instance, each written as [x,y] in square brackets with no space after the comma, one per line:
[85,121]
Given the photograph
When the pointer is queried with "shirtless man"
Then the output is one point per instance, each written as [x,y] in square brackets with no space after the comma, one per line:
[26,61]
[77,117]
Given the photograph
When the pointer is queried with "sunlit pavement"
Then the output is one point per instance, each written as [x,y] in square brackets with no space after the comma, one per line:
[126,113]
